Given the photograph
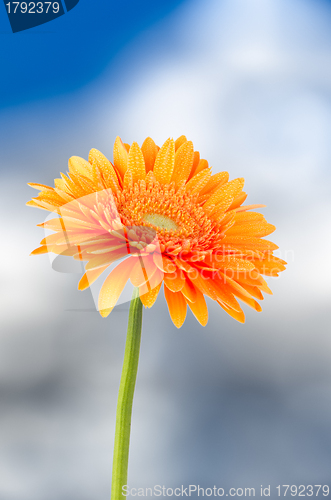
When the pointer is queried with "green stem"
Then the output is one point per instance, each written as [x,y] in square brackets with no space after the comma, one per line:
[125,398]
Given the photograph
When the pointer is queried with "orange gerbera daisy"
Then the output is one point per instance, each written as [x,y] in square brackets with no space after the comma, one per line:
[162,212]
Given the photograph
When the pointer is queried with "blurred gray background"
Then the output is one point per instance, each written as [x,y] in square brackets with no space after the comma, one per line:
[231,405]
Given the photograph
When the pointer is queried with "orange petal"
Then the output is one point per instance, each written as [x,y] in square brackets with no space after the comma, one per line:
[177,306]
[149,150]
[40,187]
[248,217]
[175,281]
[105,167]
[249,243]
[65,196]
[238,201]
[53,239]
[199,308]
[263,286]
[248,207]
[224,294]
[83,185]
[250,302]
[103,259]
[149,298]
[158,260]
[72,186]
[257,229]
[196,160]
[136,165]
[213,287]
[223,197]
[53,224]
[120,157]
[79,166]
[60,184]
[168,266]
[180,141]
[98,179]
[270,266]
[196,183]
[165,161]
[40,250]
[114,285]
[35,202]
[202,284]
[189,268]
[215,182]
[65,250]
[90,277]
[236,288]
[152,282]
[142,271]
[251,277]
[254,291]
[189,290]
[88,240]
[227,262]
[244,293]
[55,196]
[201,166]
[183,162]
[238,315]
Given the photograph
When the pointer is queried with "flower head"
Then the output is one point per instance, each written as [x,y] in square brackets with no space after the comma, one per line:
[169,220]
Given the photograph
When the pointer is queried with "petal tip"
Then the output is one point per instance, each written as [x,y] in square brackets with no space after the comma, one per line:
[105,312]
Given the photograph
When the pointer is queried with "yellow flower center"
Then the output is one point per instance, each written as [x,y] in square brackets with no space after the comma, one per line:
[161,221]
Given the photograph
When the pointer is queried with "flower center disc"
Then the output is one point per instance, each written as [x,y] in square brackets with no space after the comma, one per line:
[161,221]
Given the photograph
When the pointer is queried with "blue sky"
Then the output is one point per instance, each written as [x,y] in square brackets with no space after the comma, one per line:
[72,50]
